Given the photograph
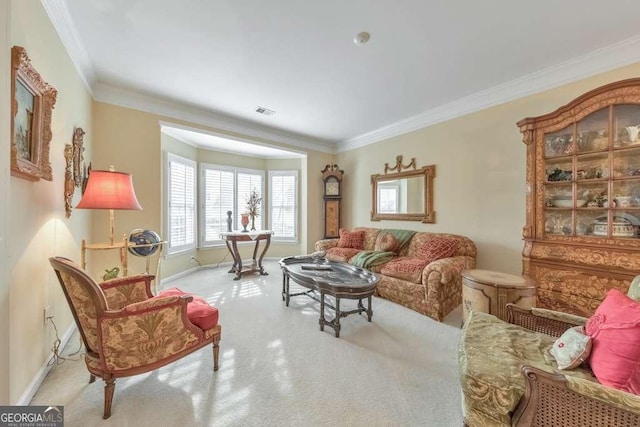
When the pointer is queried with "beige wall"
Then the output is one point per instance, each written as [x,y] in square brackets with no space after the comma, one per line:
[480,172]
[5,95]
[131,141]
[36,210]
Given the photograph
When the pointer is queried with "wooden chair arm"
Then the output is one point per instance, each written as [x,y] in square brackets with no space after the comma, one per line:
[537,322]
[551,400]
[123,291]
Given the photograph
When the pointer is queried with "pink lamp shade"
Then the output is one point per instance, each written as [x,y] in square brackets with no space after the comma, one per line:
[109,190]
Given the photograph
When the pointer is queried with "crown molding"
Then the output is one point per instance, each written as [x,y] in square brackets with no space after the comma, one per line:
[68,33]
[138,101]
[598,61]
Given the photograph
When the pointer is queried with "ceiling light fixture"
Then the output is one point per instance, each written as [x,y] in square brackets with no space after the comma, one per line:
[361,38]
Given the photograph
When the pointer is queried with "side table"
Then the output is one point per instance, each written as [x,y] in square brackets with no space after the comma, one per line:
[490,291]
[232,238]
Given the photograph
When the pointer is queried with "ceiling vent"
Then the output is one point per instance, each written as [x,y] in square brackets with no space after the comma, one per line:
[265,111]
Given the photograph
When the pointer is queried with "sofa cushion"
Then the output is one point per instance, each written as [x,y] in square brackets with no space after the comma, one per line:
[405,268]
[386,242]
[341,254]
[572,348]
[351,239]
[199,312]
[615,331]
[436,248]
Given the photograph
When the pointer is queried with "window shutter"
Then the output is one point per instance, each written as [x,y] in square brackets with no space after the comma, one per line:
[246,182]
[181,210]
[218,199]
[283,212]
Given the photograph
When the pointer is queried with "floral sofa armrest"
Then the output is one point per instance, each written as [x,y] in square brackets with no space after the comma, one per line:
[323,245]
[126,290]
[443,284]
[568,399]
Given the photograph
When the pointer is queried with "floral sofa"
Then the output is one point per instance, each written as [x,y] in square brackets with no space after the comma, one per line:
[419,270]
[510,378]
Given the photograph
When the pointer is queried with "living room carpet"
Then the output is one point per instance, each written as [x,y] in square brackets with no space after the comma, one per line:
[278,369]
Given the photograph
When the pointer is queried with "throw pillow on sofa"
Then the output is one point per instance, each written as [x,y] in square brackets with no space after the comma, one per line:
[386,242]
[351,239]
[436,248]
[615,333]
[572,348]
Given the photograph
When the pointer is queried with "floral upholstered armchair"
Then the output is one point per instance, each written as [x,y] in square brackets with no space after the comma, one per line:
[127,331]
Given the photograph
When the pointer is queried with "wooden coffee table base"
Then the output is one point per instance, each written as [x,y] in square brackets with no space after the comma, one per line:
[319,289]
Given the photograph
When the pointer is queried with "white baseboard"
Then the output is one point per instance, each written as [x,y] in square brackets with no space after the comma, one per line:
[178,275]
[166,280]
[32,388]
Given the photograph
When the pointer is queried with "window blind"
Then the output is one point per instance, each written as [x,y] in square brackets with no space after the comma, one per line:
[217,200]
[181,221]
[283,204]
[248,181]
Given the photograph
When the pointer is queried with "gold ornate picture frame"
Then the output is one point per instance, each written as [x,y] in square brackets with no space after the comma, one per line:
[32,102]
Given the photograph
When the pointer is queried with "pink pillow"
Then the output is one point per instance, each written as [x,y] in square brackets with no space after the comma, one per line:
[615,333]
[199,312]
[351,239]
[438,247]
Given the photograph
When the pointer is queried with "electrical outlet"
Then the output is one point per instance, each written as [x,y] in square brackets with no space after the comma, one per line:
[47,313]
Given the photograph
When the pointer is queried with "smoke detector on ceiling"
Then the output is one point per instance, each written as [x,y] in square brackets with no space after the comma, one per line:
[361,38]
[265,111]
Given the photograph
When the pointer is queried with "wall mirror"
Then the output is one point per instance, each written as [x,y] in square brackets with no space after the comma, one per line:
[405,194]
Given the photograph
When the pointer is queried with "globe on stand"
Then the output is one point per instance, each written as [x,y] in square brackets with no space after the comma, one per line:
[144,242]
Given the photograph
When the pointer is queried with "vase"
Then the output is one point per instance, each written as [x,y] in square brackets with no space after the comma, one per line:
[253,223]
[244,220]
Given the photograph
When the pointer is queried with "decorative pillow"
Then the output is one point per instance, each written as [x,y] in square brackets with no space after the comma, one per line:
[199,312]
[351,239]
[615,333]
[438,247]
[386,242]
[572,348]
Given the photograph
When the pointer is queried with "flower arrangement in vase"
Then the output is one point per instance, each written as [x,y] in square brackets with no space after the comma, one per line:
[253,207]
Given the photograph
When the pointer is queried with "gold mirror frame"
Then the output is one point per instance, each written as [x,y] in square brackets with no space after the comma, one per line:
[426,172]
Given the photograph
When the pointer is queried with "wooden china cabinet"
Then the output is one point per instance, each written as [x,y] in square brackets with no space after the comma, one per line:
[583,198]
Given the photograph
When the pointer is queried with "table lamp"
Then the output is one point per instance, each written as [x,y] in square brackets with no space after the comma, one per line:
[109,190]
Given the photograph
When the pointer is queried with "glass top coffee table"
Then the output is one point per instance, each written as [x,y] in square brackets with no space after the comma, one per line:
[322,277]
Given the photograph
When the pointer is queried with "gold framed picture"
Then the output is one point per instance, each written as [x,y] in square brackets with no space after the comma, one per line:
[31,108]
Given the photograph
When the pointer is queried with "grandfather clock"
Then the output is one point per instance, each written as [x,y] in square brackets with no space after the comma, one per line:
[332,185]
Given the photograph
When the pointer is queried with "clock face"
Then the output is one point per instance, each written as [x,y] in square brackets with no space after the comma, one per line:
[332,187]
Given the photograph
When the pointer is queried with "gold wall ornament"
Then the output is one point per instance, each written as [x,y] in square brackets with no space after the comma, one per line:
[74,174]
[78,156]
[32,102]
[399,166]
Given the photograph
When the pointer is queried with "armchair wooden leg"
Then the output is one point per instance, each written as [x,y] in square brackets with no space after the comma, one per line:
[92,378]
[109,387]
[216,351]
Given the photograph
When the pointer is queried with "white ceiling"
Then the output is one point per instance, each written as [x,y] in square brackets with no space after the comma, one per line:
[210,141]
[215,61]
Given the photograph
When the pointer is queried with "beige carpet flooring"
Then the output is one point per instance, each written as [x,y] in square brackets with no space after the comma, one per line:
[278,369]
